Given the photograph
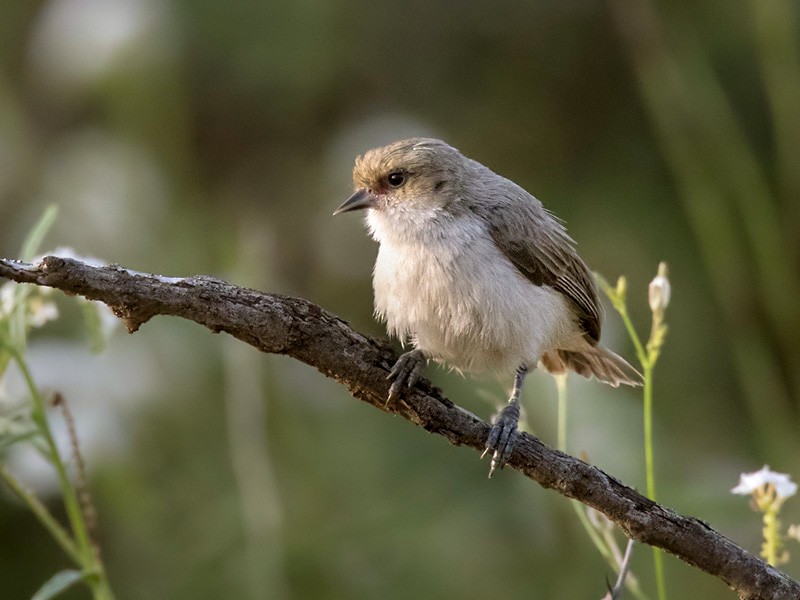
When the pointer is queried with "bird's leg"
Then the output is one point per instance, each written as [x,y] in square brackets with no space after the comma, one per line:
[405,373]
[503,434]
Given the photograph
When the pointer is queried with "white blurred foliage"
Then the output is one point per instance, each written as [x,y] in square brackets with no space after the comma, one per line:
[102,391]
[112,194]
[6,299]
[39,310]
[76,41]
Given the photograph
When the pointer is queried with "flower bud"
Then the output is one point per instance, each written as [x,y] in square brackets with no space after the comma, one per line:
[622,286]
[659,291]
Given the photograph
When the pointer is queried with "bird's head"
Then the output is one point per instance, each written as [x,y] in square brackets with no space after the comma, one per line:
[413,175]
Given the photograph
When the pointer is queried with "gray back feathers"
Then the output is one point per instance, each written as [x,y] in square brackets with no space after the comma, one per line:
[538,245]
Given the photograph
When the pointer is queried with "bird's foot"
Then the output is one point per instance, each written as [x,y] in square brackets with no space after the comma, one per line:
[405,373]
[503,436]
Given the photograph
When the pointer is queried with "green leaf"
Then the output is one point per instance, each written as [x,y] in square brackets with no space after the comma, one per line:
[31,245]
[5,358]
[58,583]
[9,438]
[15,426]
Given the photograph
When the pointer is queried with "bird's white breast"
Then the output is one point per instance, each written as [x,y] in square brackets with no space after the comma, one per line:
[441,281]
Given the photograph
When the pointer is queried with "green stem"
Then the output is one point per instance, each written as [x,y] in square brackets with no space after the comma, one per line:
[597,540]
[99,584]
[603,547]
[641,353]
[59,534]
[648,431]
[630,581]
[561,387]
[658,560]
[647,358]
[772,544]
[85,552]
[71,503]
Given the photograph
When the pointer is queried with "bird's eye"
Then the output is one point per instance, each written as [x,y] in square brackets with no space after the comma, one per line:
[396,179]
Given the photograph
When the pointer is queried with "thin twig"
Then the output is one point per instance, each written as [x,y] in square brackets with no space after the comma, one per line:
[81,480]
[48,521]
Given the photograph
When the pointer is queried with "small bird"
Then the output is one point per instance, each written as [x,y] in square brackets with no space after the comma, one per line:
[476,274]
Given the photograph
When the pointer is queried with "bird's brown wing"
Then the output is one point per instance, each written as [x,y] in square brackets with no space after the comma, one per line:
[538,245]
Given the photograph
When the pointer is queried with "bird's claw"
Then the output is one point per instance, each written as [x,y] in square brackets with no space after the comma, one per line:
[405,373]
[502,436]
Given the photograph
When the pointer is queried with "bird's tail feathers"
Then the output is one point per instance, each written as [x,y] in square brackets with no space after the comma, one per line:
[593,361]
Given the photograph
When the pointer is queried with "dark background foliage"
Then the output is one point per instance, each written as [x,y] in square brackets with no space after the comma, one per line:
[217,137]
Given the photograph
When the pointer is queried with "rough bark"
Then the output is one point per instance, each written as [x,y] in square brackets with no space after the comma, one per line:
[302,330]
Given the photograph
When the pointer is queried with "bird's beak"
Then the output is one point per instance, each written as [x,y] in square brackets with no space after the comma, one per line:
[361,199]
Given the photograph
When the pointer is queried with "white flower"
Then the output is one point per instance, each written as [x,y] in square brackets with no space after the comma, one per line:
[793,532]
[6,299]
[38,311]
[755,482]
[41,311]
[659,291]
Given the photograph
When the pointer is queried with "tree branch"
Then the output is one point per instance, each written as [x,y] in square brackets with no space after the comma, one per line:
[302,330]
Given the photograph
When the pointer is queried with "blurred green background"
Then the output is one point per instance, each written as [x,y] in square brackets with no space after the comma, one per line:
[185,137]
